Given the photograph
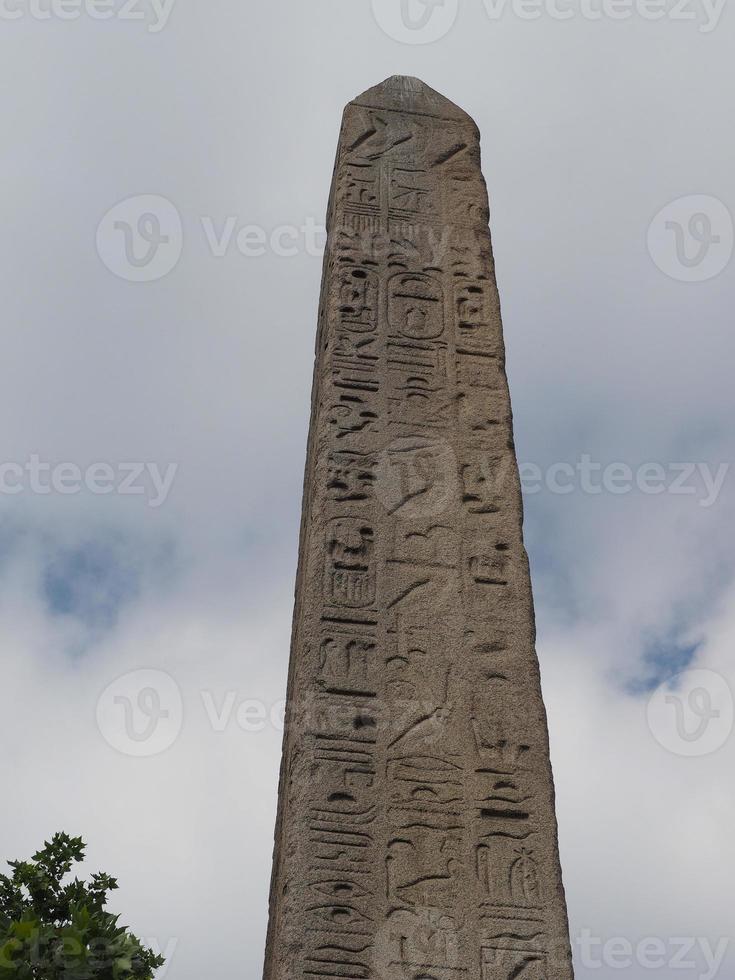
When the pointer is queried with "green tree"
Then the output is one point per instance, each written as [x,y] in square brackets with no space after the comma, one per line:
[55,931]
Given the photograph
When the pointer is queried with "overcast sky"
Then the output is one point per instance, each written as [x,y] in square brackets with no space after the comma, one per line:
[165,169]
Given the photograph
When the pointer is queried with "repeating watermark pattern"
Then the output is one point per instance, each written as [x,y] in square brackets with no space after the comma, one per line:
[141,238]
[154,14]
[692,714]
[414,477]
[420,478]
[692,238]
[691,953]
[705,13]
[43,478]
[415,21]
[141,713]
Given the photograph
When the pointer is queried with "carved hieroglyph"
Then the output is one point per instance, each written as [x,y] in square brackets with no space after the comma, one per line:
[416,836]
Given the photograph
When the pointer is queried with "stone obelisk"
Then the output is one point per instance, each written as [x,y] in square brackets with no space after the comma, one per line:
[416,836]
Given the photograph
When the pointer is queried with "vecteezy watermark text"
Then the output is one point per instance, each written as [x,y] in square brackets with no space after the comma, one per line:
[706,13]
[689,953]
[101,955]
[68,479]
[155,13]
[587,476]
[252,241]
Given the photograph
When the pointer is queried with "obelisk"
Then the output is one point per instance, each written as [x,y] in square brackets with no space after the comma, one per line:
[416,836]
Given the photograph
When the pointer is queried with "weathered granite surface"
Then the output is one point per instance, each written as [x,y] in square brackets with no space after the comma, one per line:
[416,836]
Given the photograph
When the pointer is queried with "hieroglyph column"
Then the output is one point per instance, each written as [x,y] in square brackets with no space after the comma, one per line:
[416,835]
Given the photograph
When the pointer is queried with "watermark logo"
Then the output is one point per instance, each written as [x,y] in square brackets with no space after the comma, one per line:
[416,477]
[692,714]
[418,933]
[141,713]
[692,238]
[141,239]
[415,21]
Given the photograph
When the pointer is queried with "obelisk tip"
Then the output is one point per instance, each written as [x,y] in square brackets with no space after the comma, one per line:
[406,93]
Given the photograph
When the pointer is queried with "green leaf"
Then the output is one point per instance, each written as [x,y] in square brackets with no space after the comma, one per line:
[52,930]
